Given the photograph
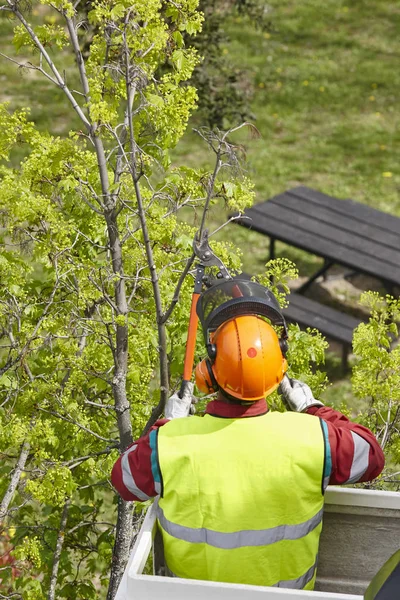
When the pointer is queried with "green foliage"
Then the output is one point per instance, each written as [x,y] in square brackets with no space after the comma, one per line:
[278,273]
[30,550]
[307,348]
[15,128]
[225,89]
[238,194]
[376,376]
[56,485]
[49,35]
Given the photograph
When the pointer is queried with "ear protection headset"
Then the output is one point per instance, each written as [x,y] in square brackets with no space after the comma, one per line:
[283,343]
[205,378]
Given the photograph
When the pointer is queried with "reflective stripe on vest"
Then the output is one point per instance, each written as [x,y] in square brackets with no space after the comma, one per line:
[293,584]
[301,582]
[242,499]
[238,539]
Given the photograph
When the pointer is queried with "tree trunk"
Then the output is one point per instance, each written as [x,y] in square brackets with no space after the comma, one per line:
[122,546]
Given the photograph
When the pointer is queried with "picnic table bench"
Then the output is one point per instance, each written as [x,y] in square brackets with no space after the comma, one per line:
[342,232]
[334,324]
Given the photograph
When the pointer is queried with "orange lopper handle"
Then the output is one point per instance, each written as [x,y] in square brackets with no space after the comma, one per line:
[191,340]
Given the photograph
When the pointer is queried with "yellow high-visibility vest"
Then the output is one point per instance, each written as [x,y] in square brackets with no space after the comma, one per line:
[242,499]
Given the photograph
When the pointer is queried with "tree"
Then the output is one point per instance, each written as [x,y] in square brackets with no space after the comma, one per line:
[376,378]
[94,294]
[225,91]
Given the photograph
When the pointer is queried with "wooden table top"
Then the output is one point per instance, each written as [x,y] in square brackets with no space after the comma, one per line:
[342,231]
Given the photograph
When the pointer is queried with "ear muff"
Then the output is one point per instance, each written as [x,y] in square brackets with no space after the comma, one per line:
[284,346]
[214,382]
[205,379]
[211,351]
[283,341]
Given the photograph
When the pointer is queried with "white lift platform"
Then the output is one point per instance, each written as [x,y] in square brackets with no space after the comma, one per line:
[361,530]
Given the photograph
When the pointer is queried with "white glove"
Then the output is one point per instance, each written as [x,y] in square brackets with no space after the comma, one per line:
[296,395]
[177,407]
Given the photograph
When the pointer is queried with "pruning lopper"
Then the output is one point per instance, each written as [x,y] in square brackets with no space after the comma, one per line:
[207,258]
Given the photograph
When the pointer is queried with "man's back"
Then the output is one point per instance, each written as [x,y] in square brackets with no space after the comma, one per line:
[242,492]
[351,454]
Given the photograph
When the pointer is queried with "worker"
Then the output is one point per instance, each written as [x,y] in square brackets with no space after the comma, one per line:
[242,488]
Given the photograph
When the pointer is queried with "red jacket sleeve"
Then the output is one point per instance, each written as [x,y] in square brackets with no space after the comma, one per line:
[355,453]
[135,474]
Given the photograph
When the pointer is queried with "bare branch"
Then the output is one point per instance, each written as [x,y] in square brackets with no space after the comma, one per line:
[210,190]
[162,338]
[79,425]
[72,464]
[60,81]
[16,475]
[29,66]
[175,298]
[98,405]
[90,205]
[106,296]
[234,218]
[9,363]
[78,55]
[254,132]
[57,552]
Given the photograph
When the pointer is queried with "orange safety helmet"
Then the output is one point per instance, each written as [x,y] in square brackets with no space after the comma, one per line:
[246,360]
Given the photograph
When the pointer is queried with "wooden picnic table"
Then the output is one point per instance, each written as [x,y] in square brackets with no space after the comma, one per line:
[342,232]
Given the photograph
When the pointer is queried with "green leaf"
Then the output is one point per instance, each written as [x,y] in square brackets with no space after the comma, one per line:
[156,100]
[177,36]
[117,11]
[179,59]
